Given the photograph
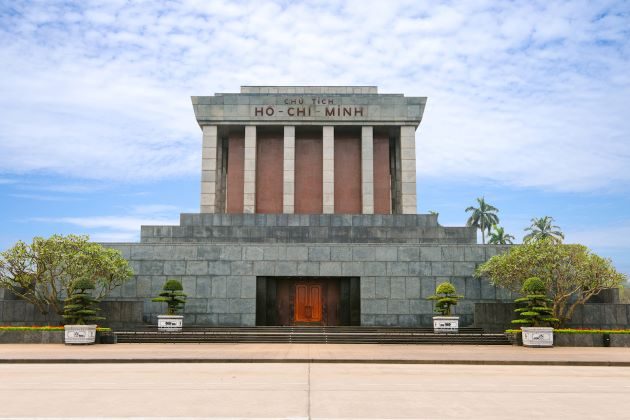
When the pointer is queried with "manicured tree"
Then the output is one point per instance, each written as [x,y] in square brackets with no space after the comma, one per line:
[542,228]
[534,310]
[173,295]
[445,297]
[483,217]
[80,307]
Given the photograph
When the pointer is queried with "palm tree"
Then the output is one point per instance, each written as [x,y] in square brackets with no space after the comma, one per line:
[499,237]
[483,217]
[542,228]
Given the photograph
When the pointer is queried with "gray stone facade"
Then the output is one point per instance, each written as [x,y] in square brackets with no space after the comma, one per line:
[219,272]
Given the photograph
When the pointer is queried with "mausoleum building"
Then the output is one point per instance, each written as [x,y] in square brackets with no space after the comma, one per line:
[308,217]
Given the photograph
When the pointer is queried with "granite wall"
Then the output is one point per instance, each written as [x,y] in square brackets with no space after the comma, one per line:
[497,316]
[220,279]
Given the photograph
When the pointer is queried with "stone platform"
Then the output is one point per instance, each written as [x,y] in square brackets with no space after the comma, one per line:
[304,228]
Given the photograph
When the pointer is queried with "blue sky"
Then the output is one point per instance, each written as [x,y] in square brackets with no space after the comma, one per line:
[528,104]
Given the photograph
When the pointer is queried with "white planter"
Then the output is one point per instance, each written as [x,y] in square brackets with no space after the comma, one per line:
[445,324]
[537,336]
[79,334]
[170,322]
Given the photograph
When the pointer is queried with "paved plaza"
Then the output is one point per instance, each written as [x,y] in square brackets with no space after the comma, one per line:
[313,381]
[313,390]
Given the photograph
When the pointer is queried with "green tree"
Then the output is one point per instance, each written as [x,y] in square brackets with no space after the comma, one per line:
[173,295]
[542,228]
[499,237]
[80,308]
[534,310]
[46,271]
[482,217]
[445,297]
[572,274]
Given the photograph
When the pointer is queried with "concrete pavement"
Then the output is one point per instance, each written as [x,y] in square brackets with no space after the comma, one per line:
[307,390]
[313,353]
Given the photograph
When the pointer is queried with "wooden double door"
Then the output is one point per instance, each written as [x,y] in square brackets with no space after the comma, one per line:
[307,301]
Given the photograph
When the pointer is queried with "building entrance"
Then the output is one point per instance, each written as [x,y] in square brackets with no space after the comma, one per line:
[308,303]
[326,301]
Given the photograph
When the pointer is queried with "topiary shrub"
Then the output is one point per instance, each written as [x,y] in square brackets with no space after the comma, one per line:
[81,307]
[534,310]
[445,297]
[173,294]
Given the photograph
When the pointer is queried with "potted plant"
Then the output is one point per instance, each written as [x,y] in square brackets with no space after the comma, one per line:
[80,313]
[445,298]
[173,294]
[535,315]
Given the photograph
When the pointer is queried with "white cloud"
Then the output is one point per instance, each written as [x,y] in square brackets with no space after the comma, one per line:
[524,93]
[116,223]
[115,236]
[119,228]
[603,237]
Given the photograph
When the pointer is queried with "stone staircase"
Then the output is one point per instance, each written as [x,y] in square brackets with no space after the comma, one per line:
[312,335]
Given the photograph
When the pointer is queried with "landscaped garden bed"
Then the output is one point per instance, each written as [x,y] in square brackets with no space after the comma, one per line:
[581,338]
[43,335]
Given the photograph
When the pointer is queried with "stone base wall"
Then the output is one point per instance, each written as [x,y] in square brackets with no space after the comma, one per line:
[399,260]
[220,279]
[31,337]
[497,317]
[118,314]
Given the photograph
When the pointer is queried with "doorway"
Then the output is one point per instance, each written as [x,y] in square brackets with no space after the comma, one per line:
[308,303]
[317,301]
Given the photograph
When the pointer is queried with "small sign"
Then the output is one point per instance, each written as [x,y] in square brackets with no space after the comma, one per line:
[445,325]
[79,334]
[538,338]
[170,323]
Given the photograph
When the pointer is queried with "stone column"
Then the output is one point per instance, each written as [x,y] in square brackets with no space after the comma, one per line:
[249,176]
[367,170]
[288,201]
[208,168]
[328,178]
[408,168]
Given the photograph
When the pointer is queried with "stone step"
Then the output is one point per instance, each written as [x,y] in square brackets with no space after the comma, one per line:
[346,335]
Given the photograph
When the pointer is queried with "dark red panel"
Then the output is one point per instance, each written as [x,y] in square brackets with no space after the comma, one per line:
[308,171]
[382,176]
[347,171]
[235,174]
[269,169]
